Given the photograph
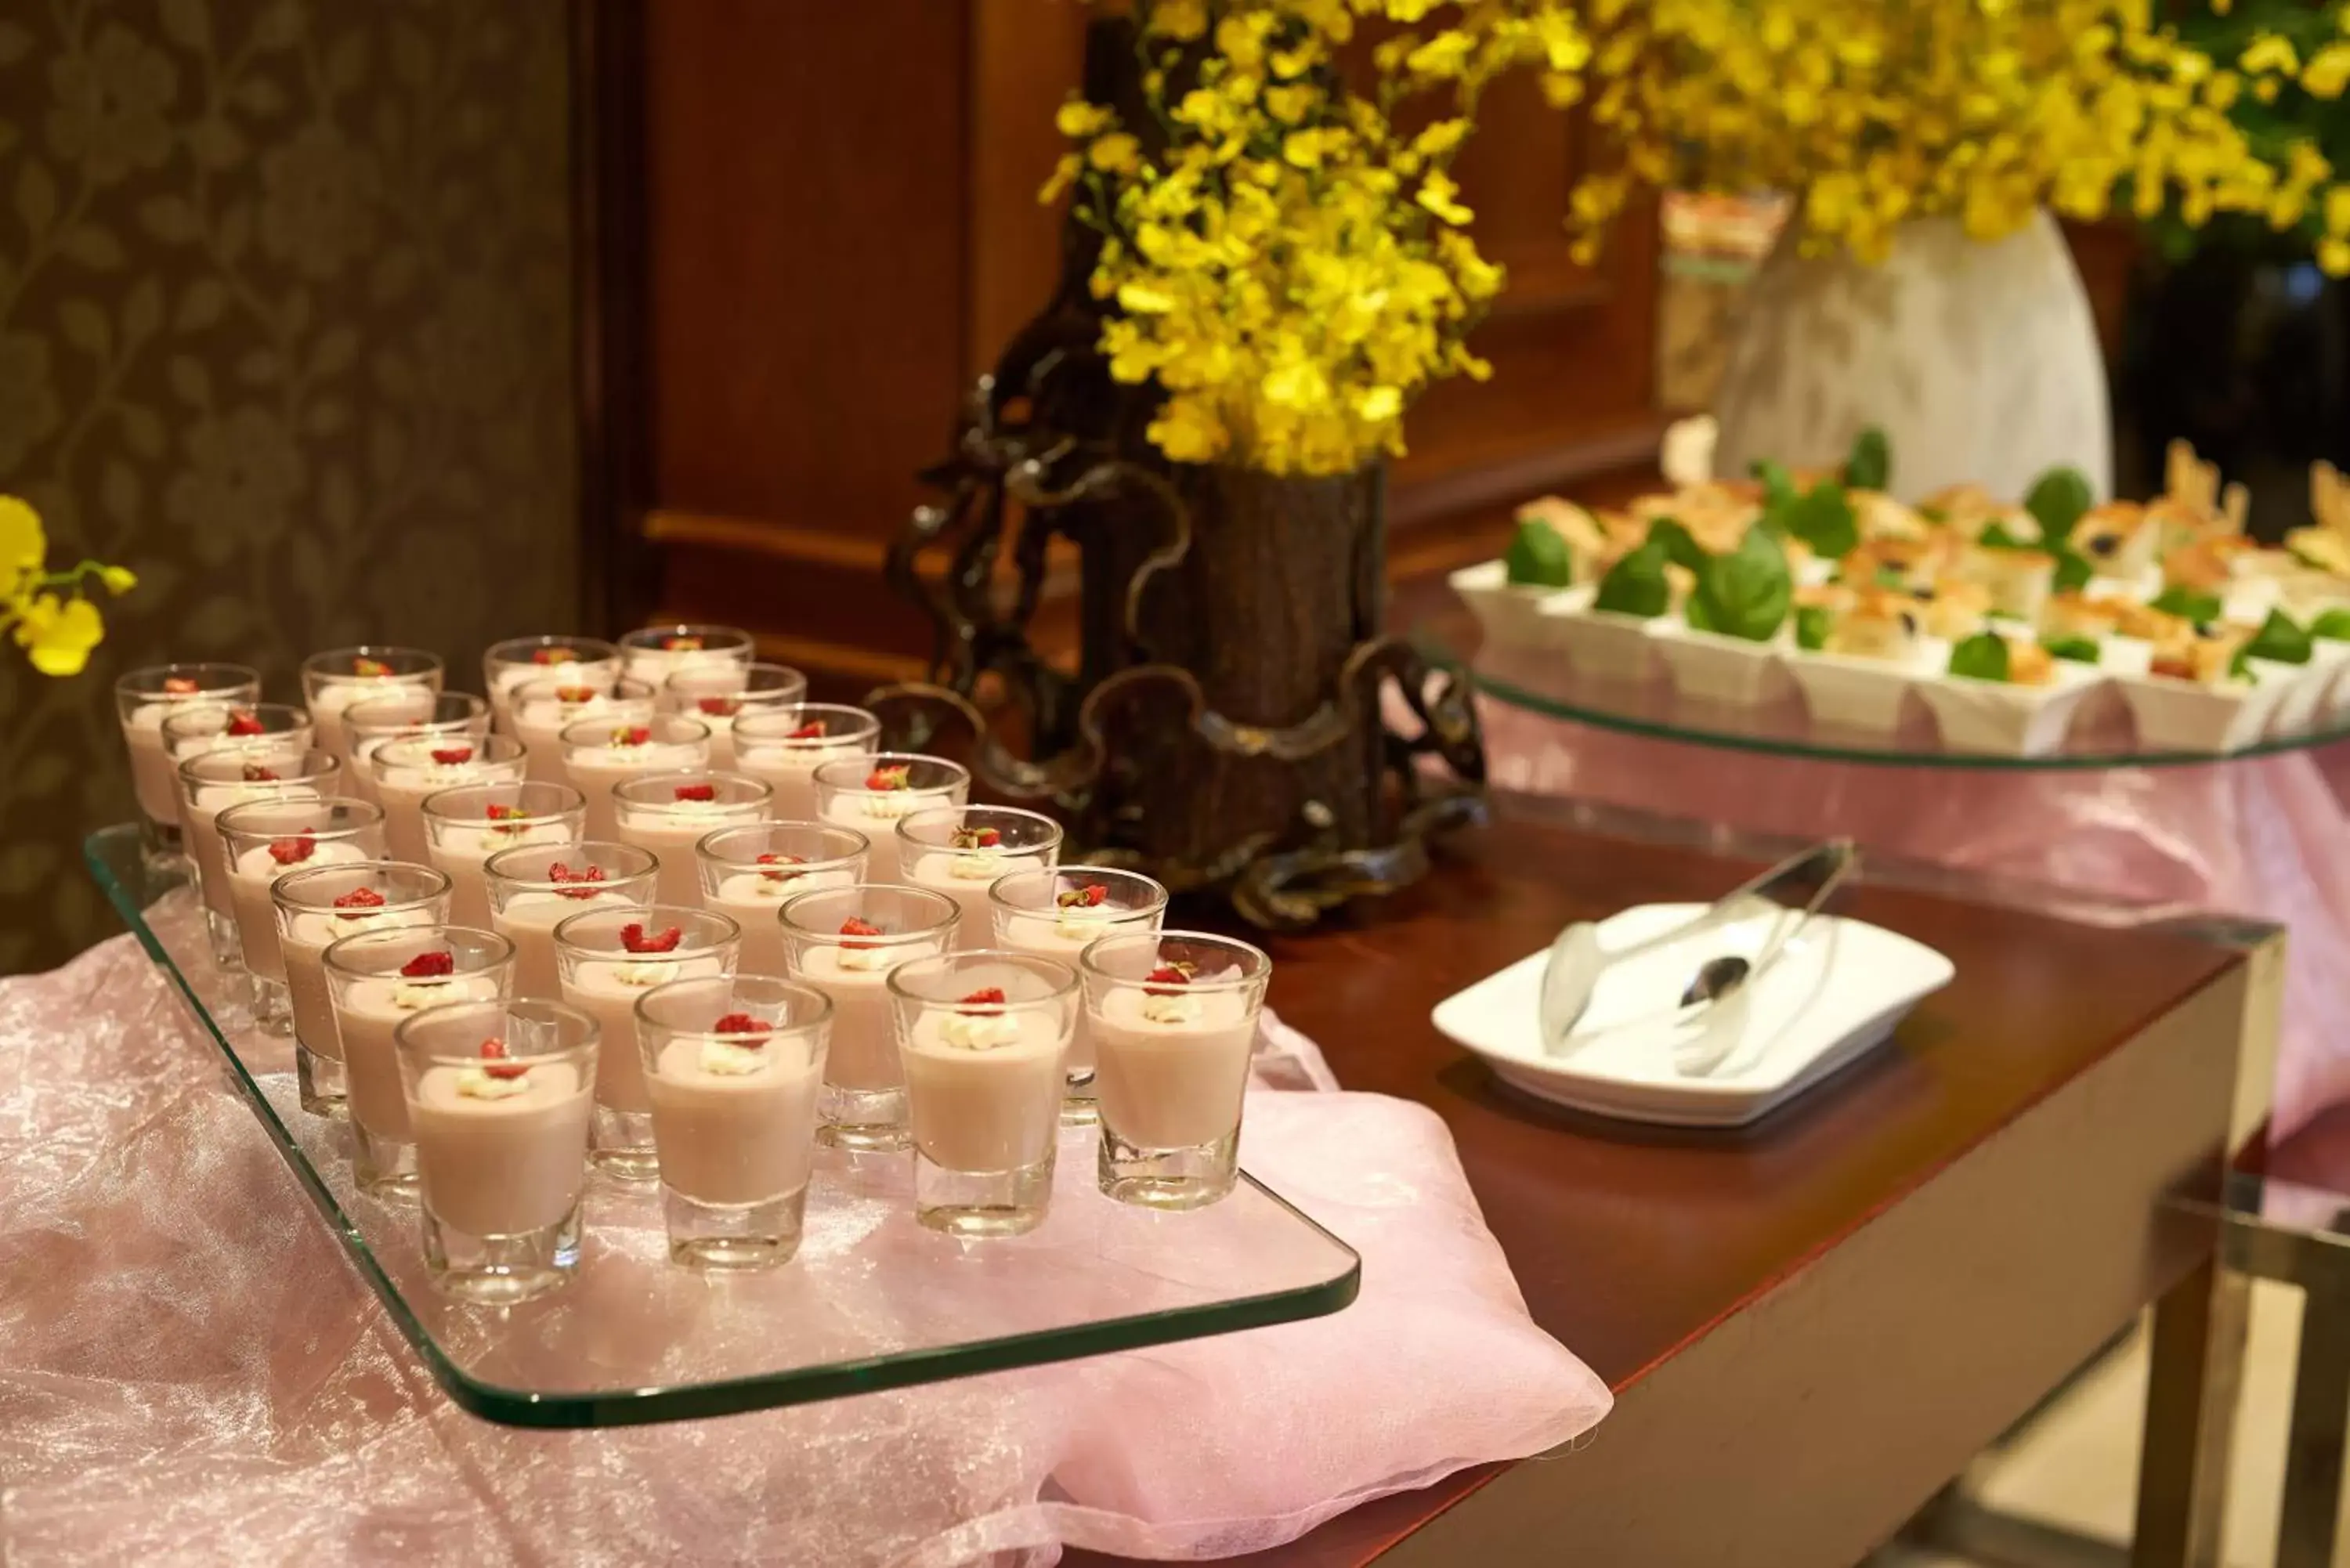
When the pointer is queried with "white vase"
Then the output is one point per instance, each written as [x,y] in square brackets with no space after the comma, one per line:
[1980,361]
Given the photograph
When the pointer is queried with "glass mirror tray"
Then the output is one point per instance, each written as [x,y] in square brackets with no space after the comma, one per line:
[872,1301]
[2099,732]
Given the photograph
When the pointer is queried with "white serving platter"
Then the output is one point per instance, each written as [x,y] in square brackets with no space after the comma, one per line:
[1836,993]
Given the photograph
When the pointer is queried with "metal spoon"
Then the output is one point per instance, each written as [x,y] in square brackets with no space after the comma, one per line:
[1716,978]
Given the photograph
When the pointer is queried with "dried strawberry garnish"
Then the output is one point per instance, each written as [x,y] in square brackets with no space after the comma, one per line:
[360,898]
[977,838]
[369,666]
[429,966]
[255,774]
[554,655]
[743,1024]
[697,792]
[720,706]
[892,777]
[495,1051]
[992,996]
[1086,897]
[811,730]
[1169,974]
[450,756]
[509,814]
[781,860]
[293,851]
[853,926]
[560,872]
[682,644]
[179,686]
[575,694]
[633,938]
[243,723]
[631,735]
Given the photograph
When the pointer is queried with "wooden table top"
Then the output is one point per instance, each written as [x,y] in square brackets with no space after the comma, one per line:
[1630,1242]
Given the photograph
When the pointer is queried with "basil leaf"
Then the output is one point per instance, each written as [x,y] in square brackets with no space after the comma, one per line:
[2057,498]
[2079,650]
[1820,518]
[1812,626]
[2072,571]
[1636,585]
[1997,537]
[1681,546]
[1983,656]
[1870,464]
[2281,640]
[1746,593]
[2187,604]
[1777,488]
[2333,625]
[1538,557]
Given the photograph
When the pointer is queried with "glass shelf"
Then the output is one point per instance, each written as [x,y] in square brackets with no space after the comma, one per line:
[872,1301]
[1544,682]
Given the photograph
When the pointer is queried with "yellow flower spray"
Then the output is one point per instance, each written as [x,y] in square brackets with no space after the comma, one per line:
[1291,267]
[47,612]
[1288,264]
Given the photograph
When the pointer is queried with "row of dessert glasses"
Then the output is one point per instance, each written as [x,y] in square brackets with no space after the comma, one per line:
[273,810]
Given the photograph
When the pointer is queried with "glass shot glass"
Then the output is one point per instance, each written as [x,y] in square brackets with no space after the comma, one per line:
[409,769]
[538,711]
[598,754]
[658,653]
[377,980]
[874,792]
[845,942]
[961,850]
[518,660]
[410,711]
[718,694]
[1059,912]
[1174,1017]
[335,680]
[535,887]
[280,766]
[785,746]
[315,909]
[733,1064]
[669,813]
[264,840]
[607,960]
[498,1099]
[748,874]
[465,825]
[981,1036]
[142,699]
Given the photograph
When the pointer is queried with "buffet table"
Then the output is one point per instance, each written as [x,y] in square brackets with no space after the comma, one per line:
[1811,1327]
[1773,1309]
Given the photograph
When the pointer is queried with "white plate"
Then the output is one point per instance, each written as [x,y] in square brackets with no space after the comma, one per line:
[1604,644]
[2174,715]
[1837,991]
[1855,693]
[1711,668]
[1998,718]
[1506,611]
[2308,699]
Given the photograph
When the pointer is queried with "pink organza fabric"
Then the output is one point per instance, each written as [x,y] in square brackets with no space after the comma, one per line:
[190,1373]
[2266,837]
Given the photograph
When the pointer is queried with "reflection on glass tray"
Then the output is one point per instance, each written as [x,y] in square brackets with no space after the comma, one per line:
[873,1300]
[2101,735]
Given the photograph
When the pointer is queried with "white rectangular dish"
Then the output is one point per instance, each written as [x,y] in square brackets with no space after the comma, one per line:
[1731,671]
[1601,644]
[1853,693]
[2174,715]
[1996,718]
[1836,993]
[1507,613]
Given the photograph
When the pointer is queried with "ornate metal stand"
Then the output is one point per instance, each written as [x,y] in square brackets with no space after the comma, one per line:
[1228,727]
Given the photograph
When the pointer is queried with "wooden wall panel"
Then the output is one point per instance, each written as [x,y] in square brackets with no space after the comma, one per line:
[843,230]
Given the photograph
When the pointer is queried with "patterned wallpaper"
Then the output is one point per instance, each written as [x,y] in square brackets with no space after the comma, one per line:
[285,326]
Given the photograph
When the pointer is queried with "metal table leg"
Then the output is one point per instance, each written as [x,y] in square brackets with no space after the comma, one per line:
[2314,1446]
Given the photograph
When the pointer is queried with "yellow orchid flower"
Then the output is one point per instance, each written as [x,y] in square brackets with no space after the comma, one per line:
[57,634]
[45,611]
